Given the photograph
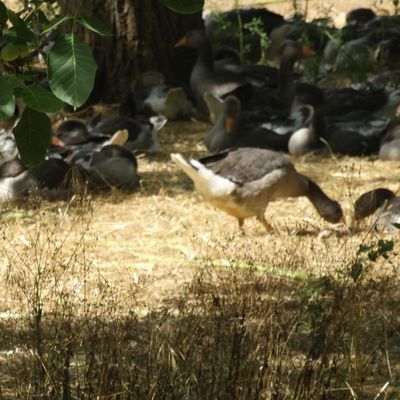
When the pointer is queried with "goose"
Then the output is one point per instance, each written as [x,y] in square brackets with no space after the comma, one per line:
[382,202]
[12,168]
[113,166]
[142,133]
[241,182]
[82,155]
[234,128]
[48,175]
[268,20]
[308,138]
[204,77]
[221,82]
[339,102]
[390,145]
[280,99]
[8,146]
[152,95]
[359,16]
[356,136]
[74,132]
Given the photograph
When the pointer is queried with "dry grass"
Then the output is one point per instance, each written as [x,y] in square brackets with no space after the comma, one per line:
[156,293]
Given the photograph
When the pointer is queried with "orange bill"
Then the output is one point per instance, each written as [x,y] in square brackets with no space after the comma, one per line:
[55,141]
[308,51]
[181,42]
[229,124]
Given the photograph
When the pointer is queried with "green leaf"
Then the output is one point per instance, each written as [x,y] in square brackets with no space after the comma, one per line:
[95,25]
[3,15]
[7,98]
[6,90]
[10,52]
[40,99]
[33,136]
[21,28]
[7,109]
[184,6]
[15,81]
[55,22]
[71,70]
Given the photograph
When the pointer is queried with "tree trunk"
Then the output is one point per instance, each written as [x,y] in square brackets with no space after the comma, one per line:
[144,34]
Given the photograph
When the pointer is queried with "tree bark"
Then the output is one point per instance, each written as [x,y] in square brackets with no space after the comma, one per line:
[144,34]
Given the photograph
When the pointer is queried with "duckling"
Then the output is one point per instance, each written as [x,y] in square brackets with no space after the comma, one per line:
[241,182]
[383,202]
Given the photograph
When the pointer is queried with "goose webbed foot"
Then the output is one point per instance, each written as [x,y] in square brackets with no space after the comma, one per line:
[266,224]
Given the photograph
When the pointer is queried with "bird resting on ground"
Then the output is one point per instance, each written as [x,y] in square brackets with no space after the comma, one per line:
[243,181]
[384,204]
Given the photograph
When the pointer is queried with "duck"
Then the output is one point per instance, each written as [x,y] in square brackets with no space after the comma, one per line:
[382,202]
[234,128]
[242,182]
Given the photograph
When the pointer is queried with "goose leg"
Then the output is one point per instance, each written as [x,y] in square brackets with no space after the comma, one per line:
[266,224]
[241,224]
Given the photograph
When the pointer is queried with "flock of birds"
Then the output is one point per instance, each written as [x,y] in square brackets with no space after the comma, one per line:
[257,113]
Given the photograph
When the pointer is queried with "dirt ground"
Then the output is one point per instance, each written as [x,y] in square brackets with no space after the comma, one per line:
[161,235]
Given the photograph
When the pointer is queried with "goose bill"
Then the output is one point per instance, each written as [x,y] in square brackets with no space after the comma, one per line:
[181,42]
[229,124]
